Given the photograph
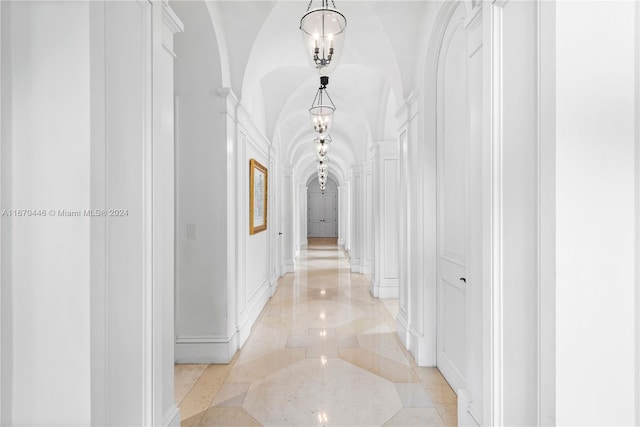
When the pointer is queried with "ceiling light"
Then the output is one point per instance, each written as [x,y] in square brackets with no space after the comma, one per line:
[323,30]
[322,144]
[321,111]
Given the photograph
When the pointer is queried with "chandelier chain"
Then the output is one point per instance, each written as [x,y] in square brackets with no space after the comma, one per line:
[325,3]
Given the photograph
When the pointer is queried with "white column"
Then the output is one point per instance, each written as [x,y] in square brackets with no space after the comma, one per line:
[417,232]
[357,217]
[303,211]
[386,215]
[166,25]
[93,276]
[288,196]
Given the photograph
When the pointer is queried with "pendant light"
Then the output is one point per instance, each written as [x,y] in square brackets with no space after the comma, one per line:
[322,144]
[323,30]
[322,111]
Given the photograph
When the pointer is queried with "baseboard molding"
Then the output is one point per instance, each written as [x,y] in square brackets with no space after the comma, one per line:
[419,348]
[388,292]
[402,329]
[249,316]
[205,349]
[355,266]
[289,266]
[467,414]
[172,417]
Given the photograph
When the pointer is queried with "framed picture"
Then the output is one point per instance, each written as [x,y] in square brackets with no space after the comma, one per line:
[258,179]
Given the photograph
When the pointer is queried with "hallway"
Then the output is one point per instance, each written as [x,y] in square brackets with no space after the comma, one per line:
[323,352]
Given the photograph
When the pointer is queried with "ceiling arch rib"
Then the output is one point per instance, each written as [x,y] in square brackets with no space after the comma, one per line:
[268,70]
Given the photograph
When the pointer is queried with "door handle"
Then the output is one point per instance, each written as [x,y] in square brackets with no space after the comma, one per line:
[463,279]
[280,233]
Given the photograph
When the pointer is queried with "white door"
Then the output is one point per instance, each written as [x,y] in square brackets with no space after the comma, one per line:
[330,215]
[452,238]
[322,212]
[315,215]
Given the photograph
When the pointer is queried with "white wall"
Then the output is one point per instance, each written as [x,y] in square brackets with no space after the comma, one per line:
[224,275]
[201,319]
[254,283]
[84,325]
[595,147]
[50,170]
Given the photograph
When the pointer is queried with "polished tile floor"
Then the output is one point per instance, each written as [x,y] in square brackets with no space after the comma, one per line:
[323,352]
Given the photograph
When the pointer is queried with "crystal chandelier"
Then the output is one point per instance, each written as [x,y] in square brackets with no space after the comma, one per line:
[323,31]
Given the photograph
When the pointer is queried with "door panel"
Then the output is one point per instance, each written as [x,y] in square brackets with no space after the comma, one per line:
[330,214]
[322,213]
[452,239]
[315,215]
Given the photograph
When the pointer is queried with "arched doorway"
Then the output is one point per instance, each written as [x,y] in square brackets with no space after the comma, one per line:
[322,210]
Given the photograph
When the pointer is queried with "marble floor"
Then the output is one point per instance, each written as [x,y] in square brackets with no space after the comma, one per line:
[323,352]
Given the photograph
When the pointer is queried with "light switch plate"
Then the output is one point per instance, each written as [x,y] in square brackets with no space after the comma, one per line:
[191,231]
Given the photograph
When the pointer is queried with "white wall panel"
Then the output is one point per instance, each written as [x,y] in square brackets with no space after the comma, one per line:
[596,84]
[50,255]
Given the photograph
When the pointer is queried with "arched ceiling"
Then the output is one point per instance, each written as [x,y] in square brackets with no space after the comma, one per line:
[272,77]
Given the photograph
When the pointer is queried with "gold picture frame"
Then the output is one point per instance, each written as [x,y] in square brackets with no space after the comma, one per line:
[258,195]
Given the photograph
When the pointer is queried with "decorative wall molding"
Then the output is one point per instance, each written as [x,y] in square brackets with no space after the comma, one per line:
[637,213]
[408,110]
[205,348]
[493,375]
[171,25]
[255,304]
[172,417]
[467,415]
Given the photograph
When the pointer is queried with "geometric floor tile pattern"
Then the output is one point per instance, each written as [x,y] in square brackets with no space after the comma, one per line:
[323,352]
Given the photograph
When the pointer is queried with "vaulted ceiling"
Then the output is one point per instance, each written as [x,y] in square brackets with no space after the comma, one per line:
[263,59]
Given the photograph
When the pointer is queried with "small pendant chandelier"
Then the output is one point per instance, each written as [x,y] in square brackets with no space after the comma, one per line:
[321,111]
[323,32]
[322,144]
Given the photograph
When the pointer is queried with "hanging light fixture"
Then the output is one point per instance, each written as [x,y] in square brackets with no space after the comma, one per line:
[322,144]
[321,111]
[323,31]
[324,158]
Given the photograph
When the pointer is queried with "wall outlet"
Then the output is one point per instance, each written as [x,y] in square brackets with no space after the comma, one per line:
[191,231]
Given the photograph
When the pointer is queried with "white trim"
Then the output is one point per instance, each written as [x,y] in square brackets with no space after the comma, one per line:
[420,347]
[546,240]
[148,279]
[205,349]
[387,292]
[637,213]
[172,417]
[3,379]
[467,414]
[402,328]
[493,328]
[171,20]
[248,317]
